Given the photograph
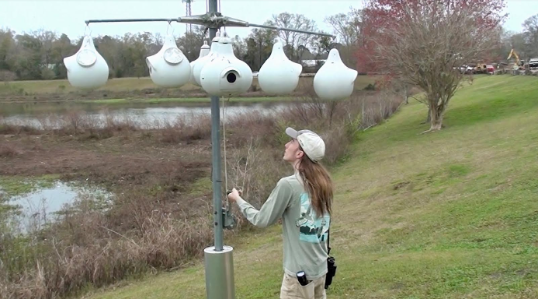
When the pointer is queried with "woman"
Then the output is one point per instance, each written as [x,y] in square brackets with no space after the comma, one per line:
[303,201]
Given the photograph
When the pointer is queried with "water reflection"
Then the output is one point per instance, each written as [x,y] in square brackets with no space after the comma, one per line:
[52,116]
[40,207]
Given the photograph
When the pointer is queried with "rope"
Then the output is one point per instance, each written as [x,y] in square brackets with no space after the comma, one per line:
[246,164]
[86,30]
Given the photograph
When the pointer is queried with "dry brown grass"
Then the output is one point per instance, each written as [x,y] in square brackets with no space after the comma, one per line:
[7,150]
[186,129]
[155,222]
[86,246]
[17,129]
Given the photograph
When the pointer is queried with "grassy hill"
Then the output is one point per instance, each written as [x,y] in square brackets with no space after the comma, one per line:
[452,214]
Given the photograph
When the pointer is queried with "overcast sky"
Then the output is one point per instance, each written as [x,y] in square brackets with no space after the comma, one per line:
[68,16]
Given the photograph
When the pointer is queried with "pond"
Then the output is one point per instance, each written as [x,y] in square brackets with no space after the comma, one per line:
[32,210]
[144,115]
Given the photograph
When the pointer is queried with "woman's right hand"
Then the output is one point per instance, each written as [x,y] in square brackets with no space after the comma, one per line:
[234,195]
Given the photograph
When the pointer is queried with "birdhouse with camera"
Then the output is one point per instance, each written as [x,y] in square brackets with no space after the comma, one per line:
[224,74]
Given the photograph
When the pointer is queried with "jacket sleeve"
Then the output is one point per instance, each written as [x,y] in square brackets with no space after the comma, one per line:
[272,209]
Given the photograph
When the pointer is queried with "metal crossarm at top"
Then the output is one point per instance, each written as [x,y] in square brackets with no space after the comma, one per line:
[210,21]
[129,20]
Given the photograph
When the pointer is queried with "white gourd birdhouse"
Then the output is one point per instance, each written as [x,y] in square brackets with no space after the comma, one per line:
[334,81]
[225,75]
[169,67]
[213,51]
[86,69]
[279,75]
[204,51]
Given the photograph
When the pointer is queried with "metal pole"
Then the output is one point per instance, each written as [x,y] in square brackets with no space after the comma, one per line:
[218,259]
[215,142]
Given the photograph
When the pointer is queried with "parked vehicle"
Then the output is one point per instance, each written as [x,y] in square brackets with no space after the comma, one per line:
[465,69]
[533,63]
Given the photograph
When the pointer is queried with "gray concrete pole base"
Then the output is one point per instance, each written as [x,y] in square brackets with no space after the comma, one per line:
[219,273]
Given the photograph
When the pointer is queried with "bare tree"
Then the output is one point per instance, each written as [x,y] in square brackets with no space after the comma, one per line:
[191,42]
[424,42]
[7,49]
[258,46]
[292,40]
[347,27]
[239,46]
[531,35]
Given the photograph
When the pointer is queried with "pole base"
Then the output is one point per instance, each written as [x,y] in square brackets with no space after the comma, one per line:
[219,273]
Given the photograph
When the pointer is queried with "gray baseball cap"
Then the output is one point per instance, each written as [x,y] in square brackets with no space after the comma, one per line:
[312,144]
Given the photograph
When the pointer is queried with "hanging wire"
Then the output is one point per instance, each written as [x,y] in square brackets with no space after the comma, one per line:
[86,30]
[168,28]
[224,143]
[206,36]
[246,164]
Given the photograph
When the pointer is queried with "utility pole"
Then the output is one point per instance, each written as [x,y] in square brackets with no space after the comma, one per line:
[188,13]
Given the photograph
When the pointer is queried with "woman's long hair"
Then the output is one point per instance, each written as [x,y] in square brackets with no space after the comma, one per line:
[318,184]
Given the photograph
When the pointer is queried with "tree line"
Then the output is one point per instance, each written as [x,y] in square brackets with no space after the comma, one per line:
[39,55]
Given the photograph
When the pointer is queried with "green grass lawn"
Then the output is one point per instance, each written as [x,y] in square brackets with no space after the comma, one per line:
[451,214]
[63,86]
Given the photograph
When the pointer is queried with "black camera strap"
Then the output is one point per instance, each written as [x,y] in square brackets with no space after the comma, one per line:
[331,262]
[329,239]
